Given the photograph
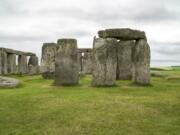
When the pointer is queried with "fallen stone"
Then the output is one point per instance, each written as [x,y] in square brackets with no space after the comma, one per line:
[66,63]
[104,62]
[6,82]
[122,33]
[157,74]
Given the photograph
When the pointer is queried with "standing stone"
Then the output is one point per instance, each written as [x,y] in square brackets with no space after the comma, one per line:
[66,62]
[80,61]
[141,63]
[104,62]
[3,61]
[11,59]
[124,57]
[33,65]
[48,60]
[22,64]
[87,63]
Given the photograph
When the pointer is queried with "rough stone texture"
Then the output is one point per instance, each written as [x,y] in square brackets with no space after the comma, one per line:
[22,64]
[66,63]
[104,62]
[122,33]
[141,63]
[6,82]
[3,62]
[48,60]
[80,61]
[124,57]
[87,63]
[33,65]
[11,61]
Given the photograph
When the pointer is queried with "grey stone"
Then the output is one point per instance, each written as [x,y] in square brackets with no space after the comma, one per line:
[124,57]
[33,65]
[48,60]
[66,63]
[48,75]
[122,33]
[6,82]
[3,61]
[87,63]
[157,74]
[104,62]
[80,61]
[141,63]
[22,64]
[11,61]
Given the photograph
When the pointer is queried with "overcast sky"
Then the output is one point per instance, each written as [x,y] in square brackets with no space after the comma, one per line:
[26,24]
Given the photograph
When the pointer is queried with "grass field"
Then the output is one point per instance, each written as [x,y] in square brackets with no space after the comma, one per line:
[38,108]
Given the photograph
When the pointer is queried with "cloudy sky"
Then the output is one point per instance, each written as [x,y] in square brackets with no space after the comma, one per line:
[26,24]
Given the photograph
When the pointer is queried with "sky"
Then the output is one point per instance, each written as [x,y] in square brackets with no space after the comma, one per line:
[26,24]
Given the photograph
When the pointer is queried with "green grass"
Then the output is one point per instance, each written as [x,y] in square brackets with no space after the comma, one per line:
[38,108]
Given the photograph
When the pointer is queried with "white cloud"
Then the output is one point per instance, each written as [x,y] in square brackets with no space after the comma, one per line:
[25,25]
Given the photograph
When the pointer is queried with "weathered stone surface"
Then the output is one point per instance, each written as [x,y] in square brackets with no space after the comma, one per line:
[124,57]
[141,63]
[122,33]
[3,61]
[80,61]
[22,64]
[11,61]
[48,60]
[104,62]
[33,65]
[6,82]
[87,63]
[66,63]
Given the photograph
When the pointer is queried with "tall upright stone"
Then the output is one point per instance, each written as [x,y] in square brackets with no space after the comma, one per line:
[11,61]
[141,63]
[87,63]
[124,57]
[3,62]
[48,60]
[22,64]
[80,61]
[104,62]
[66,63]
[33,65]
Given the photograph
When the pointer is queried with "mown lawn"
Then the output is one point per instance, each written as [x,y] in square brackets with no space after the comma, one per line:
[38,108]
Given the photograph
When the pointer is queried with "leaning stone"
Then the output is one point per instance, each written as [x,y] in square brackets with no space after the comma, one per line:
[6,82]
[104,62]
[66,63]
[122,33]
[48,60]
[141,63]
[124,58]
